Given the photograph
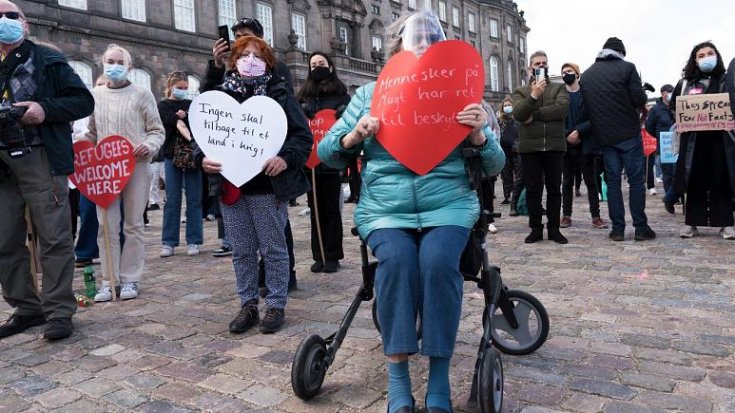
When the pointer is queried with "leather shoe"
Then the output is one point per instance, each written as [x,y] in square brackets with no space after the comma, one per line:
[436,410]
[557,237]
[536,235]
[331,266]
[20,323]
[59,328]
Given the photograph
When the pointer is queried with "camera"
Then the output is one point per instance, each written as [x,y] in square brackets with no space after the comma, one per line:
[540,73]
[12,135]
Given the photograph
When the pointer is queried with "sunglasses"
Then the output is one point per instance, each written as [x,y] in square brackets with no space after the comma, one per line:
[12,15]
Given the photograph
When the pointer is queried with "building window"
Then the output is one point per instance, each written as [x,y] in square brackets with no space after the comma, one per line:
[510,76]
[133,10]
[494,29]
[140,77]
[75,4]
[375,9]
[494,85]
[455,16]
[412,4]
[264,14]
[509,31]
[471,23]
[472,42]
[443,11]
[184,15]
[521,45]
[396,16]
[427,5]
[298,24]
[227,12]
[84,72]
[344,36]
[377,43]
[193,90]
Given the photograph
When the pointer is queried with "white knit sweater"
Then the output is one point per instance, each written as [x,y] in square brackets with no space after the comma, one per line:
[130,112]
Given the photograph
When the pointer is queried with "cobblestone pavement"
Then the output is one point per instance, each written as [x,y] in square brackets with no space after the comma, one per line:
[635,327]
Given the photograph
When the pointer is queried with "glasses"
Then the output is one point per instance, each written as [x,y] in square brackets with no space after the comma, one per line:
[12,15]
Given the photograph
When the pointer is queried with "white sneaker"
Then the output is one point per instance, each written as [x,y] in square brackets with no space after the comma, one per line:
[166,251]
[491,228]
[104,293]
[659,181]
[652,191]
[305,211]
[192,250]
[688,231]
[128,291]
[727,232]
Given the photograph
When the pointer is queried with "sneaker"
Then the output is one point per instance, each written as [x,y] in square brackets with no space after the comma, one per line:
[104,293]
[246,318]
[223,251]
[644,234]
[192,250]
[727,232]
[536,235]
[491,228]
[331,266]
[616,236]
[273,320]
[505,201]
[577,193]
[566,222]
[652,191]
[129,291]
[599,223]
[513,212]
[305,211]
[556,236]
[659,181]
[20,323]
[58,328]
[688,231]
[209,217]
[166,251]
[669,206]
[153,207]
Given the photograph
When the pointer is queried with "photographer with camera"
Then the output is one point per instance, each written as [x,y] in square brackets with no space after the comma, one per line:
[41,95]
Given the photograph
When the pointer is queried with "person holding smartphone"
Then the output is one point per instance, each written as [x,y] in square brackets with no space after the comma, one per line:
[541,107]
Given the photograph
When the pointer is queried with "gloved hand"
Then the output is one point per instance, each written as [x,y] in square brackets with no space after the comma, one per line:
[649,87]
[340,111]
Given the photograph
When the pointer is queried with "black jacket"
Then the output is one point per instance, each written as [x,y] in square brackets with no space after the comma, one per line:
[730,82]
[64,99]
[613,94]
[167,108]
[660,119]
[292,182]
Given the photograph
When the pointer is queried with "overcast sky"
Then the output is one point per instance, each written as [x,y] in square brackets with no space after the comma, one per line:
[658,34]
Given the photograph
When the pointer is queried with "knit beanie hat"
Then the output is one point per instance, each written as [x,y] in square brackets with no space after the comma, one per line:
[574,67]
[667,88]
[616,44]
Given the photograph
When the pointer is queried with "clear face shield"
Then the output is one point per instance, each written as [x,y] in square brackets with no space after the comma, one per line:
[420,31]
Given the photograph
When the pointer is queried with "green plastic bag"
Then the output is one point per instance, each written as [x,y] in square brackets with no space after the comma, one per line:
[603,190]
[522,207]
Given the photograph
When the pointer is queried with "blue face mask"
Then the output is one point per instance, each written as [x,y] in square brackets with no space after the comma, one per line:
[116,73]
[508,109]
[11,31]
[179,94]
[707,64]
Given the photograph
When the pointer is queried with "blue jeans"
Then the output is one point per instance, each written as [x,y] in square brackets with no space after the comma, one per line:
[418,273]
[628,154]
[86,247]
[191,179]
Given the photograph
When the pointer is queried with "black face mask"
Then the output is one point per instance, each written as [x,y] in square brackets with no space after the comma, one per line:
[569,78]
[320,73]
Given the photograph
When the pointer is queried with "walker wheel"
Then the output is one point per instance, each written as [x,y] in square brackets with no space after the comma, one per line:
[308,368]
[533,325]
[491,382]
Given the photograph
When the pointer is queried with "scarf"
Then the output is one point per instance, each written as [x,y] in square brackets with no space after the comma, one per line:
[247,87]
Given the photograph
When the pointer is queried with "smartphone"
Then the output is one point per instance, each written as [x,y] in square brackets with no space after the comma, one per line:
[540,72]
[224,33]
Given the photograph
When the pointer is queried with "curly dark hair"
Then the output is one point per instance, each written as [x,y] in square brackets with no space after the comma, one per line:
[691,70]
[329,86]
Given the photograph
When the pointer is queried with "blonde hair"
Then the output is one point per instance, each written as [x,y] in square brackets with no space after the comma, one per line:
[126,55]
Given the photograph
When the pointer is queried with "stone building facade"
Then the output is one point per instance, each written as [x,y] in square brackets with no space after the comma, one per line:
[167,35]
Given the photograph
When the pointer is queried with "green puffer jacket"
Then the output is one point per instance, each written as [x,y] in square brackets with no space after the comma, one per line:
[546,131]
[393,196]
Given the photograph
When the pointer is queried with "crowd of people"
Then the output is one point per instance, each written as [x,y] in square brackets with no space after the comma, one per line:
[546,136]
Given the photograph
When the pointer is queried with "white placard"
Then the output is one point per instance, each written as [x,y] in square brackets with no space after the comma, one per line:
[239,136]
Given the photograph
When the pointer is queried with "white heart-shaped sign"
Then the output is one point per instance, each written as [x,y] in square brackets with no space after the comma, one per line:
[240,136]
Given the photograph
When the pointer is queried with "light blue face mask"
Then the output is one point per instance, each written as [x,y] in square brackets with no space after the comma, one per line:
[11,31]
[508,109]
[179,94]
[707,64]
[116,73]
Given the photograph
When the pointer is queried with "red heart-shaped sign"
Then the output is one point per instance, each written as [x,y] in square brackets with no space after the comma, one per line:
[101,172]
[320,125]
[649,143]
[417,100]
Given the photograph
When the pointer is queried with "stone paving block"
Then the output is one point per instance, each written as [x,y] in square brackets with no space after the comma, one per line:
[93,364]
[542,394]
[97,387]
[163,406]
[648,381]
[126,398]
[12,402]
[356,397]
[57,397]
[673,371]
[87,406]
[710,349]
[223,383]
[31,385]
[144,381]
[670,401]
[262,395]
[181,393]
[618,406]
[584,403]
[107,350]
[602,388]
[186,371]
[722,379]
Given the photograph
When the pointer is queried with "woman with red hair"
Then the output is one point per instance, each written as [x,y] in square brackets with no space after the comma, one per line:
[255,214]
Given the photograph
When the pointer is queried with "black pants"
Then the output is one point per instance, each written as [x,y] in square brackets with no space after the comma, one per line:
[709,194]
[573,160]
[74,205]
[650,162]
[328,187]
[519,182]
[543,169]
[355,182]
[510,172]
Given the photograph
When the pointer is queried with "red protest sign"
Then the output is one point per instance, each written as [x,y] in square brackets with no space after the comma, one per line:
[649,143]
[320,125]
[101,172]
[417,100]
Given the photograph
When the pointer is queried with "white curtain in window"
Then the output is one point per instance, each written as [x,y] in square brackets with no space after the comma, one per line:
[227,12]
[84,72]
[140,77]
[494,85]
